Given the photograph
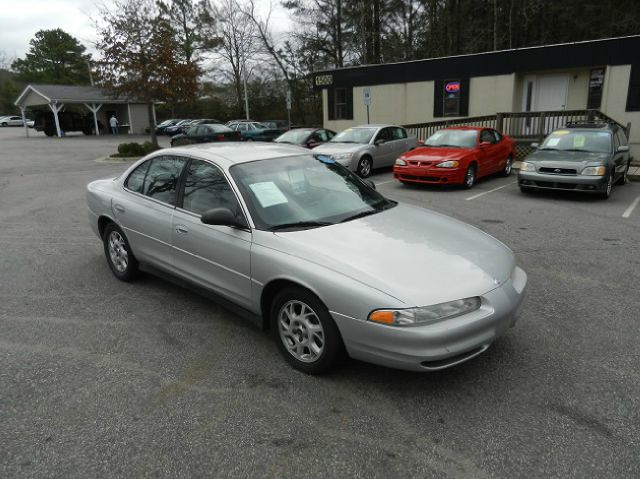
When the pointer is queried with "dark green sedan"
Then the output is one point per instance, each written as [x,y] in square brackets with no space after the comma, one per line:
[588,157]
[205,133]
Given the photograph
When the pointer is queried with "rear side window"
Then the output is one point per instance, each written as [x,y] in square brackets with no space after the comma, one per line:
[135,181]
[399,133]
[622,138]
[157,178]
[162,178]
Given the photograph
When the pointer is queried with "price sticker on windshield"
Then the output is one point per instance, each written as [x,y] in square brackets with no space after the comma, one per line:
[268,194]
[578,141]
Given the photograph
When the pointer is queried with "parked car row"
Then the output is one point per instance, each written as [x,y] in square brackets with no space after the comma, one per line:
[584,156]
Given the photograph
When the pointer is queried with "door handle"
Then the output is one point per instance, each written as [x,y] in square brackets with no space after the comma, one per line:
[118,208]
[181,229]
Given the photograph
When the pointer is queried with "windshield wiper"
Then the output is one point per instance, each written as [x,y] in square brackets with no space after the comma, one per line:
[574,149]
[547,148]
[444,145]
[300,224]
[362,214]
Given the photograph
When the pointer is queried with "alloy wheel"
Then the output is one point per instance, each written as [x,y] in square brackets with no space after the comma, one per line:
[118,252]
[508,165]
[301,331]
[364,167]
[470,177]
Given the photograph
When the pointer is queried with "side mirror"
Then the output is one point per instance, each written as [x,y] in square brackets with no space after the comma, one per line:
[623,148]
[220,216]
[378,142]
[370,183]
[535,145]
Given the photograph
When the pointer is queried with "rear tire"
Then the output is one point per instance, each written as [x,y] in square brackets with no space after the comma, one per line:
[119,255]
[304,331]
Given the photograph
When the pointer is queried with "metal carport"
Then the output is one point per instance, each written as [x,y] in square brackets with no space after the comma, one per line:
[93,98]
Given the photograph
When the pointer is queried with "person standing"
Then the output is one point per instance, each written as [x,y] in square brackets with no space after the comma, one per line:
[113,122]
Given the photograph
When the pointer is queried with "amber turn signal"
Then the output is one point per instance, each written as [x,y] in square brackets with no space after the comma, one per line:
[384,317]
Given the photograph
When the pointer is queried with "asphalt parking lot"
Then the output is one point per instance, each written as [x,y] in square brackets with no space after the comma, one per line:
[105,379]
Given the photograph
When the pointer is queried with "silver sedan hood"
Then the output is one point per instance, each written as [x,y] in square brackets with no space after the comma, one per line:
[418,256]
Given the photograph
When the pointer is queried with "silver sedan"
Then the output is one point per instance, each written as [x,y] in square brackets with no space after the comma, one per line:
[363,148]
[298,243]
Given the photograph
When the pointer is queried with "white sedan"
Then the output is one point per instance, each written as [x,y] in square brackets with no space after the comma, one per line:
[11,121]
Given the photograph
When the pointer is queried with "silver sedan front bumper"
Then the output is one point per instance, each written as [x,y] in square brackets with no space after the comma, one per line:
[439,345]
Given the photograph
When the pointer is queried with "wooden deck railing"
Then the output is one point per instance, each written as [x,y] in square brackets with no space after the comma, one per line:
[531,125]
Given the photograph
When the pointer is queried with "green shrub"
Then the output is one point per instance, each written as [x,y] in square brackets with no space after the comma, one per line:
[134,149]
[148,147]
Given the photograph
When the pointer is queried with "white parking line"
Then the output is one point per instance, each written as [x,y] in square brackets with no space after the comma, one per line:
[384,182]
[490,191]
[631,207]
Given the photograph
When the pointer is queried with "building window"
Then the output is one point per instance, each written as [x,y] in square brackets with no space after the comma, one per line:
[340,103]
[451,98]
[596,80]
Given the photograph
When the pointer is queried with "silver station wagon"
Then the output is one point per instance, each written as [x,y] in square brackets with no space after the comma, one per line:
[298,243]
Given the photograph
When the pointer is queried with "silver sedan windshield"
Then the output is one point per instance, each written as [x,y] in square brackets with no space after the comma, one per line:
[354,135]
[304,192]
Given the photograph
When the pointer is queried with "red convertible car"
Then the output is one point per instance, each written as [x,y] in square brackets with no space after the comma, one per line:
[457,155]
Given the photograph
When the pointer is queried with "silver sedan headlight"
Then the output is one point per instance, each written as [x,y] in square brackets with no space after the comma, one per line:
[525,166]
[425,314]
[594,171]
[342,156]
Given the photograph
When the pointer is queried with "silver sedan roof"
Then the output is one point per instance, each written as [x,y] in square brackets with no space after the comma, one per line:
[231,153]
[374,125]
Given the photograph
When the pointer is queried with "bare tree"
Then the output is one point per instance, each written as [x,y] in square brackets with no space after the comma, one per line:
[194,24]
[239,44]
[276,52]
[5,60]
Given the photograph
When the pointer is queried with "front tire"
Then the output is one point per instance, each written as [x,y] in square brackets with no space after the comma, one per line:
[304,331]
[365,165]
[607,192]
[470,177]
[118,252]
[508,166]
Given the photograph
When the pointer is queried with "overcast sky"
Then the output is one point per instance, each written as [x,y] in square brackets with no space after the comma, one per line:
[21,19]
